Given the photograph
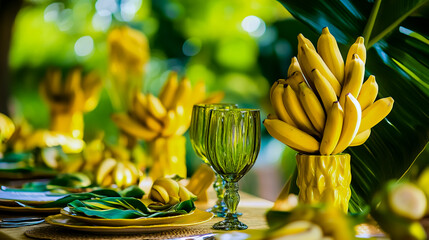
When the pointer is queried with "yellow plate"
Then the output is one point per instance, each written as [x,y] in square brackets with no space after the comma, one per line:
[129,222]
[198,217]
[29,209]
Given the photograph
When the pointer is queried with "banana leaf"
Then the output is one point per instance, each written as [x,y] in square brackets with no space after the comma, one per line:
[125,208]
[396,36]
[62,202]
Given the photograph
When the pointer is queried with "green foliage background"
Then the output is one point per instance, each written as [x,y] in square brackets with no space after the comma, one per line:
[241,64]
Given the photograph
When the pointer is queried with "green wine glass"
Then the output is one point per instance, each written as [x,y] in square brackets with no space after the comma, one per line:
[232,146]
[197,133]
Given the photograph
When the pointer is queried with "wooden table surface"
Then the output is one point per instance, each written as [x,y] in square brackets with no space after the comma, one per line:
[253,209]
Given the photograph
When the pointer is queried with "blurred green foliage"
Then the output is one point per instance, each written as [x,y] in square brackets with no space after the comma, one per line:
[222,42]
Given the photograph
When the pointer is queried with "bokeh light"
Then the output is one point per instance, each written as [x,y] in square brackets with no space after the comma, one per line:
[84,46]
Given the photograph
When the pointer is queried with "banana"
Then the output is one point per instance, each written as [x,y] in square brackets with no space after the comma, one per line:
[351,123]
[119,175]
[296,112]
[291,136]
[130,126]
[107,181]
[214,97]
[272,89]
[153,124]
[295,79]
[155,107]
[141,112]
[368,93]
[104,169]
[293,67]
[361,138]
[199,92]
[303,40]
[170,124]
[357,48]
[169,90]
[129,179]
[139,108]
[311,59]
[325,90]
[375,113]
[279,107]
[135,173]
[312,107]
[282,81]
[159,194]
[305,68]
[354,78]
[327,48]
[182,96]
[333,126]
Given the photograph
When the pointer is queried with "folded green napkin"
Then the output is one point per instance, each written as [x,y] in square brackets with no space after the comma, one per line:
[125,208]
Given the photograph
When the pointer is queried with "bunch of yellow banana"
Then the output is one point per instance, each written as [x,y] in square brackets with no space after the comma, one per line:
[128,54]
[168,191]
[128,51]
[122,173]
[69,99]
[324,105]
[150,117]
[7,128]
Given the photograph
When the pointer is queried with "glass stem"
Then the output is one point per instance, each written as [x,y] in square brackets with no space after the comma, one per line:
[219,188]
[232,198]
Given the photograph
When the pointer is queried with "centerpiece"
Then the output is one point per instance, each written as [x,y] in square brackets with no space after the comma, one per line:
[323,107]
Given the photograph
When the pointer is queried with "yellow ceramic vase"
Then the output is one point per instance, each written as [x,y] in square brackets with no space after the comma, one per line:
[324,179]
[168,157]
[68,123]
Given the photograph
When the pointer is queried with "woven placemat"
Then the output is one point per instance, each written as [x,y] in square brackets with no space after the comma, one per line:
[55,232]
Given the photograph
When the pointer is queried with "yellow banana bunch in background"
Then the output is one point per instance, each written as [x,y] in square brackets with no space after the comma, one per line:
[119,172]
[128,54]
[325,106]
[68,99]
[7,128]
[167,115]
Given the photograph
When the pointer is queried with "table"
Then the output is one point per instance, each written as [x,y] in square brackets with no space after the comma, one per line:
[253,209]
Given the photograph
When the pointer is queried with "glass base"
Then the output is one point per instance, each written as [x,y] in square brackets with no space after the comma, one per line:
[218,210]
[228,225]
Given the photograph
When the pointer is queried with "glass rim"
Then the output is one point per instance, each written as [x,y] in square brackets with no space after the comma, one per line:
[242,110]
[206,105]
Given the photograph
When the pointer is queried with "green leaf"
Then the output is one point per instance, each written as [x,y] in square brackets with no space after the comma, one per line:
[399,58]
[133,191]
[62,202]
[389,16]
[125,208]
